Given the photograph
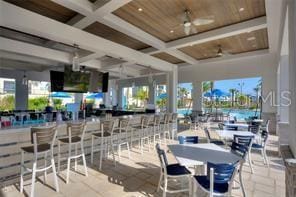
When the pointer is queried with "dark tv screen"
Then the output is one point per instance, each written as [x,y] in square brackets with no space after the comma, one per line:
[76,81]
[56,81]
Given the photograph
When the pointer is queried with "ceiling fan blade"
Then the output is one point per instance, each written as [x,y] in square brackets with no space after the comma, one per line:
[203,21]
[187,30]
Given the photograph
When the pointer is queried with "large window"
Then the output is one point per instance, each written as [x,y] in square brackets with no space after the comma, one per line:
[39,92]
[161,97]
[7,94]
[236,97]
[135,97]
[184,98]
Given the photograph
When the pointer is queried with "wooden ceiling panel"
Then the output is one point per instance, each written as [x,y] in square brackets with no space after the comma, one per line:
[113,35]
[159,17]
[167,57]
[241,43]
[46,8]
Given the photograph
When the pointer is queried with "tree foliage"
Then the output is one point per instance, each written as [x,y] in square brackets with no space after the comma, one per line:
[7,103]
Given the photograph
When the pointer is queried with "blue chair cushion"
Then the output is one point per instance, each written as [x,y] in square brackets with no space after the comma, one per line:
[176,169]
[205,183]
[257,146]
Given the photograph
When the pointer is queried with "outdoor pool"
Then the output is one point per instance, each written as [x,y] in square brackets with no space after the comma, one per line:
[240,114]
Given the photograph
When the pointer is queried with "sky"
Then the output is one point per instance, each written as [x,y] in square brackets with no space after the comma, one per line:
[225,85]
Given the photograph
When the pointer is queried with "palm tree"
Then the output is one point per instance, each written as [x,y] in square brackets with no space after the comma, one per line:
[232,92]
[183,94]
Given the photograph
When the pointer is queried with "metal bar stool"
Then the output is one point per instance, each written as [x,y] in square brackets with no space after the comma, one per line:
[156,129]
[75,131]
[165,130]
[173,125]
[42,139]
[107,128]
[141,133]
[120,136]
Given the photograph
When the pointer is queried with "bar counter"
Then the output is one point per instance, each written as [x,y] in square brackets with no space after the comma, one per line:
[14,137]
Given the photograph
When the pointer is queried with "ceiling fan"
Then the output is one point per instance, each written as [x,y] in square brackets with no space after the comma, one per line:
[189,24]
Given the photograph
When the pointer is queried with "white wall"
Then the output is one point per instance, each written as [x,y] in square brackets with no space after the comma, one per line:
[258,66]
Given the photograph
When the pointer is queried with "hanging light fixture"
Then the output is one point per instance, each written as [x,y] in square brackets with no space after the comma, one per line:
[25,79]
[75,59]
[220,52]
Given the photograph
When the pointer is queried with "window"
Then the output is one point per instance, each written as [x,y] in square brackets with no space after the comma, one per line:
[39,92]
[135,97]
[161,97]
[239,98]
[7,94]
[184,98]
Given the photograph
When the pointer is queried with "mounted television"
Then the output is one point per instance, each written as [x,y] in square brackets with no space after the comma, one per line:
[99,82]
[76,81]
[56,81]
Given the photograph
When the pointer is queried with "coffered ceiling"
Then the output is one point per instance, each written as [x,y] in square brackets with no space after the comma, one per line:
[156,27]
[164,18]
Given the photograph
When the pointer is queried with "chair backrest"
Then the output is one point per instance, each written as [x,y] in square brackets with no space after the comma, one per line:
[188,139]
[76,129]
[223,173]
[264,137]
[107,126]
[156,120]
[239,149]
[267,125]
[221,126]
[254,128]
[174,117]
[207,134]
[166,118]
[162,157]
[245,140]
[145,121]
[43,135]
[123,124]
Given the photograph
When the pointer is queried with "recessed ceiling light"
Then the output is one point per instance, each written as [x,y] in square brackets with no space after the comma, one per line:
[241,9]
[172,31]
[251,38]
[140,9]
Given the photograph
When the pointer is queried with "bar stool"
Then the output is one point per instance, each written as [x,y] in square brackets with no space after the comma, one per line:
[107,128]
[156,129]
[141,133]
[165,130]
[173,125]
[121,137]
[75,131]
[42,139]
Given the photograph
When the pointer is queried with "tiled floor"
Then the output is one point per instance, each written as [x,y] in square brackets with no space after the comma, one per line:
[139,177]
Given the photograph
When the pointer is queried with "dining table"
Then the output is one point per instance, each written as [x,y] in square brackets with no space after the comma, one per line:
[200,154]
[228,134]
[238,126]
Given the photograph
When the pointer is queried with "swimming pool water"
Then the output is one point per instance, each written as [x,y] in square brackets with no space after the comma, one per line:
[240,114]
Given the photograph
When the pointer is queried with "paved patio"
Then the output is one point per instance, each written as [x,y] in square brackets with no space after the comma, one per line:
[139,177]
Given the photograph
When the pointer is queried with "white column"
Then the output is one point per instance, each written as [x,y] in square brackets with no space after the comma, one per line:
[151,94]
[172,84]
[292,73]
[21,95]
[197,96]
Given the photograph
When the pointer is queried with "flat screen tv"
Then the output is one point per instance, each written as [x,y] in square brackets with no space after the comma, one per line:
[56,81]
[76,81]
[99,81]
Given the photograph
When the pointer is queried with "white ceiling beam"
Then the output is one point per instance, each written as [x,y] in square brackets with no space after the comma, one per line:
[93,64]
[27,58]
[29,22]
[20,65]
[91,56]
[81,6]
[223,32]
[34,50]
[180,55]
